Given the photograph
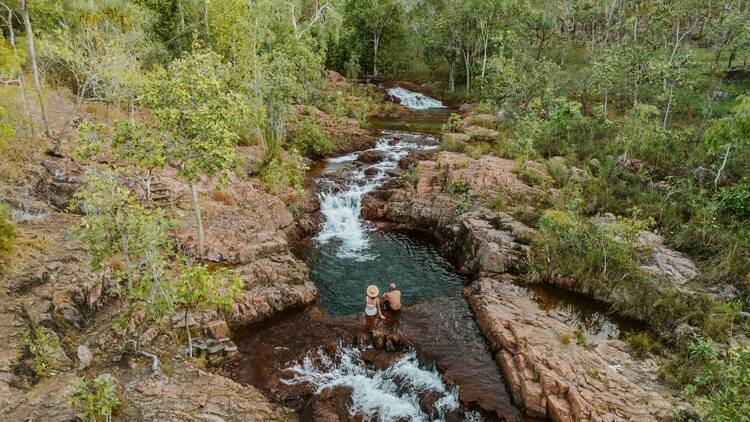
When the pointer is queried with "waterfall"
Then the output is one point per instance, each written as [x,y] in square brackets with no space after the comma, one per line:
[389,395]
[414,100]
[341,206]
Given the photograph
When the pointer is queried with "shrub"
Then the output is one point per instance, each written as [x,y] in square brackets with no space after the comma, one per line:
[530,174]
[557,169]
[410,176]
[42,349]
[642,343]
[735,200]
[459,186]
[311,140]
[7,231]
[453,145]
[285,173]
[453,125]
[565,337]
[461,205]
[594,254]
[95,402]
[718,383]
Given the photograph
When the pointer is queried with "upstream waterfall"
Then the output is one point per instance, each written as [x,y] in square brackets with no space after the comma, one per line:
[414,100]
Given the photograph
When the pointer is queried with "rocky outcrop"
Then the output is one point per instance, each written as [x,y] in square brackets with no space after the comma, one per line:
[190,394]
[553,376]
[481,240]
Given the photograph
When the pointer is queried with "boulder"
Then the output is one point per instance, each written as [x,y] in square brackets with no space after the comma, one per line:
[84,356]
[217,329]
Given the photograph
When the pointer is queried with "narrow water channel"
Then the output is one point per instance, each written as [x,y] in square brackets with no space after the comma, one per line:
[445,370]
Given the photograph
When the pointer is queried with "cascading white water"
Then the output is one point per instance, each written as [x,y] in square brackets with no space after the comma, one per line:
[388,395]
[341,208]
[414,100]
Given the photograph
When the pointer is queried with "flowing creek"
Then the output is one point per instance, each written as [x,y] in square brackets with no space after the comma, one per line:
[444,370]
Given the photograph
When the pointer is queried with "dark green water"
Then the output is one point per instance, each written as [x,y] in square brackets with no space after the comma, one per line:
[408,259]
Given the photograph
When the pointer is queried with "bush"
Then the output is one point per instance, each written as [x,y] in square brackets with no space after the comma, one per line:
[459,187]
[453,145]
[453,125]
[642,343]
[7,231]
[717,382]
[42,348]
[530,174]
[311,140]
[410,177]
[285,173]
[595,255]
[735,200]
[95,402]
[461,205]
[557,169]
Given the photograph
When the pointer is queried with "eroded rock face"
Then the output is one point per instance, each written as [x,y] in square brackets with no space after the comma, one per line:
[483,241]
[245,227]
[190,394]
[564,382]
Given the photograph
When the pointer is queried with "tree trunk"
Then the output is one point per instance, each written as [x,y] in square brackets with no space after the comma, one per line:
[190,338]
[205,17]
[375,42]
[198,220]
[12,41]
[35,70]
[467,65]
[451,75]
[484,59]
[669,105]
[723,165]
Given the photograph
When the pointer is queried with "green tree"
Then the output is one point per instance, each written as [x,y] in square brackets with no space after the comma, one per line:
[198,288]
[115,225]
[374,19]
[194,102]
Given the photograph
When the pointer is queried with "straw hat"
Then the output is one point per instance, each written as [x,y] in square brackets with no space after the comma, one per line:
[372,291]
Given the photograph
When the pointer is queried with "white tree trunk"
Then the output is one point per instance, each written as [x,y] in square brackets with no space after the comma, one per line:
[375,42]
[35,68]
[198,220]
[669,105]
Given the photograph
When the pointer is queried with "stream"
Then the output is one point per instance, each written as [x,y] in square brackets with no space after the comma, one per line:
[319,360]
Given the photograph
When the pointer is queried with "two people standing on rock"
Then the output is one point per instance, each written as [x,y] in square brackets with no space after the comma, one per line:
[374,305]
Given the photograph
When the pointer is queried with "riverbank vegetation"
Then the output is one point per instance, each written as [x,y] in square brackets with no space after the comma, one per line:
[648,99]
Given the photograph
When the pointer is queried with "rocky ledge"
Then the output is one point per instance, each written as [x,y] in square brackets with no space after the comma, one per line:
[552,375]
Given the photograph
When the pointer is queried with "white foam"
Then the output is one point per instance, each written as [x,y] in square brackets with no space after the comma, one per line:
[414,100]
[341,209]
[388,395]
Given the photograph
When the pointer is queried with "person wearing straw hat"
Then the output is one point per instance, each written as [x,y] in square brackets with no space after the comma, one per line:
[372,302]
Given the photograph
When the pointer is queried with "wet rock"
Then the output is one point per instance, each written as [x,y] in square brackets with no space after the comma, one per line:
[84,356]
[371,157]
[563,382]
[371,171]
[379,359]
